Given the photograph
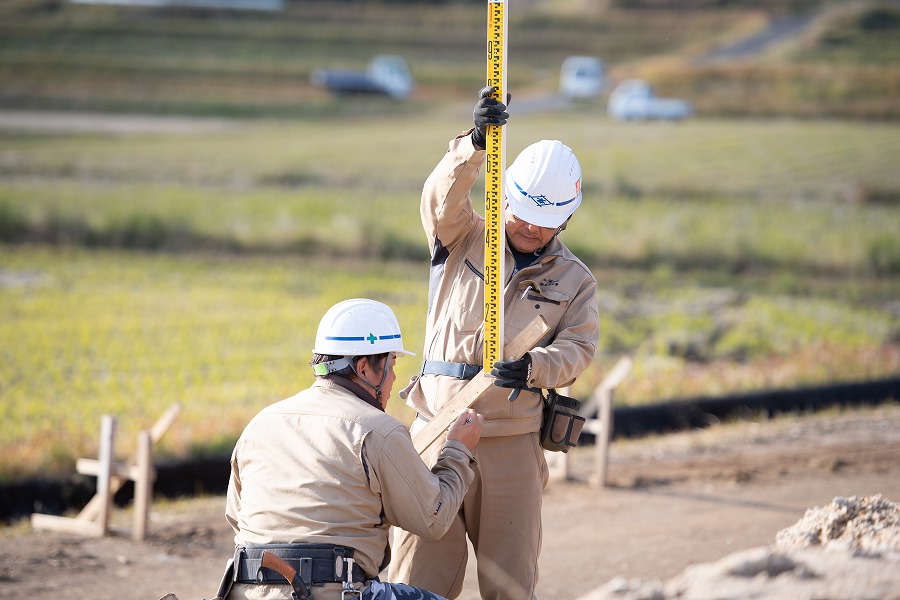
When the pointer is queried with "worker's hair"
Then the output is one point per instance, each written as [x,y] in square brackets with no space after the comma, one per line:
[377,360]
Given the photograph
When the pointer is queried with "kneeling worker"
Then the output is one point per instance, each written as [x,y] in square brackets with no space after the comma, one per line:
[318,479]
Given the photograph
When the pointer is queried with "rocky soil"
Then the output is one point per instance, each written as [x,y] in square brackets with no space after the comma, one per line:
[847,549]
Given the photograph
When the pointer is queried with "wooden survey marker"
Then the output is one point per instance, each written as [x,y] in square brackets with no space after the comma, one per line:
[93,520]
[476,388]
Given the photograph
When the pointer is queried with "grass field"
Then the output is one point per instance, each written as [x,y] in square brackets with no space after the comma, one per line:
[731,256]
[816,195]
[95,332]
[141,266]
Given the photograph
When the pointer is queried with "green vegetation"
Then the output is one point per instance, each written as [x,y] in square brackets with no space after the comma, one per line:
[797,195]
[731,256]
[865,34]
[97,332]
[149,262]
[88,333]
[846,65]
[57,55]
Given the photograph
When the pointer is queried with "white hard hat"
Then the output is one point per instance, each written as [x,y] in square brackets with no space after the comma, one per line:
[543,185]
[359,327]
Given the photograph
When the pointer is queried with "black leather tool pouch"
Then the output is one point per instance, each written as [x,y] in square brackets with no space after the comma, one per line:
[561,425]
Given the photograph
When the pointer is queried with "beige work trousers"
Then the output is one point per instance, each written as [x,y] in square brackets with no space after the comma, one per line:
[501,514]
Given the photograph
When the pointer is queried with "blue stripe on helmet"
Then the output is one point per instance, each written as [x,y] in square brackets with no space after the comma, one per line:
[538,199]
[336,338]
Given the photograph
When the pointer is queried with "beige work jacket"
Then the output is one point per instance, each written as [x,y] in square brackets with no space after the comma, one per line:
[558,287]
[324,467]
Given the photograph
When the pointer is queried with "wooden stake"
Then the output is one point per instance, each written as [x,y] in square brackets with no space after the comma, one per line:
[605,415]
[93,520]
[476,388]
[143,486]
[162,425]
[66,525]
[107,436]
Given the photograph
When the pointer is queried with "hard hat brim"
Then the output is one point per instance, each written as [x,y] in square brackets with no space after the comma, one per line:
[517,202]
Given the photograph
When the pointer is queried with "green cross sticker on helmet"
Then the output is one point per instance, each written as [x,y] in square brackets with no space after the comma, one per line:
[359,327]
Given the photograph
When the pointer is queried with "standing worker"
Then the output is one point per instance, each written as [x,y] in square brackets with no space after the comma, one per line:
[318,479]
[501,513]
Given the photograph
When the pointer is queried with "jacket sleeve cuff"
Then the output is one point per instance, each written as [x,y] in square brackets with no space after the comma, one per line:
[455,445]
[467,135]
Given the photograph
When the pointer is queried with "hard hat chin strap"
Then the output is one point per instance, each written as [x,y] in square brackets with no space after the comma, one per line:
[562,227]
[365,382]
[556,233]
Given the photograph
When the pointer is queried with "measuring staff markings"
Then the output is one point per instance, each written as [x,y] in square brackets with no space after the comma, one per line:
[494,237]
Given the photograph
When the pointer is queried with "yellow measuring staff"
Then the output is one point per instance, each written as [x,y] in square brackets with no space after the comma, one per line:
[494,236]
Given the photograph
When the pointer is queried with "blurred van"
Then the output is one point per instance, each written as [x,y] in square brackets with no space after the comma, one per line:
[634,100]
[581,77]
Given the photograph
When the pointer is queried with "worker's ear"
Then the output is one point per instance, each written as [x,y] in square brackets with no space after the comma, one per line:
[368,365]
[362,363]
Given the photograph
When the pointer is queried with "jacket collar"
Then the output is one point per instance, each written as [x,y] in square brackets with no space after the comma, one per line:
[354,388]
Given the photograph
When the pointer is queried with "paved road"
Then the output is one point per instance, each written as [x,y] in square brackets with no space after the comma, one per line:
[780,30]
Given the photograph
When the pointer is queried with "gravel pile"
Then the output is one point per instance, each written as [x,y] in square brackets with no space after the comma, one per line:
[868,526]
[848,550]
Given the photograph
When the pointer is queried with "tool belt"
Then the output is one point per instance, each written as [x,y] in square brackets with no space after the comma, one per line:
[316,564]
[561,424]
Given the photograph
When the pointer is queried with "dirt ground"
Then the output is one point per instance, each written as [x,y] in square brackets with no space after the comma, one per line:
[672,501]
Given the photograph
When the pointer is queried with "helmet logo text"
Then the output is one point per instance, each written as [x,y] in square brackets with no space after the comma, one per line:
[542,200]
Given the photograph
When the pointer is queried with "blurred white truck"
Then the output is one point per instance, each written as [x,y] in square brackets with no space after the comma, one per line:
[581,77]
[634,100]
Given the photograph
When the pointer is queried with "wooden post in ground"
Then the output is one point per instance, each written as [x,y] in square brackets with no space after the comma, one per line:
[162,425]
[93,520]
[102,469]
[105,458]
[601,426]
[143,486]
[605,418]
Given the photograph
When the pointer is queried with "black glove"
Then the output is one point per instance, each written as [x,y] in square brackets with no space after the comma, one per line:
[488,112]
[512,373]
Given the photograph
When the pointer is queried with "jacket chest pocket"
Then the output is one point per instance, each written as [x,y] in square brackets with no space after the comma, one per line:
[531,300]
